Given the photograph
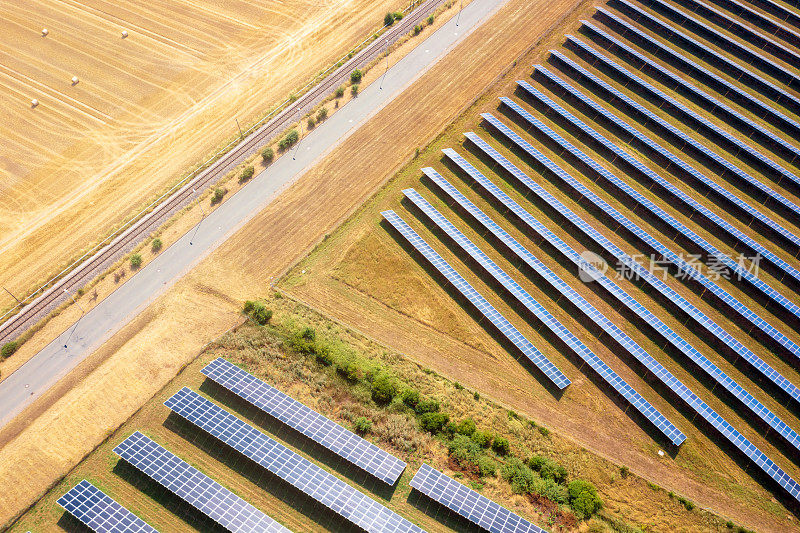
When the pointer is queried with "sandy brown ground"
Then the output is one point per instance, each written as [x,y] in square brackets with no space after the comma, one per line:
[145,109]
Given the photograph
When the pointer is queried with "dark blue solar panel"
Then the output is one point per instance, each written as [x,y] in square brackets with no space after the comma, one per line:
[581,350]
[310,423]
[687,112]
[194,487]
[783,13]
[729,300]
[301,473]
[99,512]
[707,98]
[700,360]
[475,507]
[692,400]
[484,307]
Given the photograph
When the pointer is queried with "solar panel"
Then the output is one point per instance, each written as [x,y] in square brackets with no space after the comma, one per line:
[776,141]
[481,304]
[581,350]
[296,470]
[99,512]
[726,43]
[741,146]
[696,357]
[194,487]
[475,507]
[701,72]
[733,169]
[774,92]
[305,420]
[776,9]
[692,400]
[725,297]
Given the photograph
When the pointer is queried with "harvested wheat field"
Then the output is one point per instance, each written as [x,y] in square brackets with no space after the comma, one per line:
[144,108]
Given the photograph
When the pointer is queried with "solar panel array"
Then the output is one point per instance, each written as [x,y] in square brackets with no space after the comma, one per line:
[699,71]
[310,423]
[779,30]
[100,512]
[296,470]
[741,146]
[481,304]
[692,400]
[685,267]
[598,365]
[712,370]
[475,507]
[194,487]
[776,9]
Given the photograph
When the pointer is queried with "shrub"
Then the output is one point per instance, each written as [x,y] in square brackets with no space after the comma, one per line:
[156,245]
[247,308]
[688,504]
[552,470]
[518,475]
[458,386]
[449,430]
[303,341]
[351,371]
[464,451]
[482,438]
[487,467]
[136,261]
[388,19]
[550,490]
[339,92]
[466,427]
[417,29]
[247,173]
[624,471]
[397,15]
[261,315]
[410,397]
[288,140]
[537,462]
[354,89]
[430,20]
[324,355]
[8,349]
[476,395]
[583,498]
[383,390]
[501,446]
[544,431]
[362,425]
[426,406]
[322,114]
[219,192]
[267,155]
[355,76]
[433,422]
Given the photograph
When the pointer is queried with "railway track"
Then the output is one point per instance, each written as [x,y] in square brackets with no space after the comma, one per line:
[70,282]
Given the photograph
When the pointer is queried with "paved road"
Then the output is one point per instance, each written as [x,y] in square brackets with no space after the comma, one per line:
[53,362]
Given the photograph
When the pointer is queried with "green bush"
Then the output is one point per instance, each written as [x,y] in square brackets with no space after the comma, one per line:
[430,20]
[322,114]
[487,467]
[388,19]
[464,451]
[339,92]
[247,308]
[219,192]
[310,123]
[362,425]
[550,490]
[8,349]
[156,245]
[261,315]
[552,470]
[458,386]
[354,89]
[426,406]
[476,395]
[267,155]
[537,462]
[688,504]
[355,76]
[433,422]
[583,498]
[501,446]
[324,355]
[449,430]
[247,173]
[466,427]
[304,341]
[518,475]
[351,371]
[288,140]
[417,29]
[624,471]
[397,15]
[544,431]
[383,390]
[136,261]
[410,397]
[483,438]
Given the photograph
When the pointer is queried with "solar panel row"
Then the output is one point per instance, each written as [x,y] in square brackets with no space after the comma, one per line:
[689,67]
[313,425]
[598,365]
[707,99]
[475,507]
[707,54]
[770,25]
[774,8]
[726,43]
[692,116]
[692,400]
[685,267]
[100,512]
[296,470]
[475,298]
[700,360]
[194,487]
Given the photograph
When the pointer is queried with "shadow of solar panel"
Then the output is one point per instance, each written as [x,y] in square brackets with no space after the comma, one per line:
[475,507]
[194,487]
[481,304]
[100,512]
[729,300]
[313,425]
[581,350]
[774,8]
[704,321]
[755,154]
[296,470]
[728,432]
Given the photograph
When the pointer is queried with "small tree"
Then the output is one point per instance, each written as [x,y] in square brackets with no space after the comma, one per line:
[383,390]
[354,89]
[156,245]
[219,192]
[362,425]
[583,498]
[397,15]
[483,438]
[322,114]
[8,349]
[339,92]
[466,427]
[310,123]
[136,261]
[427,406]
[410,397]
[430,20]
[487,467]
[355,76]
[417,29]
[501,446]
[388,19]
[267,155]
[433,422]
[247,173]
[261,315]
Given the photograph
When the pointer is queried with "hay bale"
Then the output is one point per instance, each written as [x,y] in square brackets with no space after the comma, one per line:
[75,80]
[34,102]
[44,32]
[124,33]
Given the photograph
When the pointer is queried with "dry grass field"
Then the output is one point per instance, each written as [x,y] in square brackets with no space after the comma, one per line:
[145,108]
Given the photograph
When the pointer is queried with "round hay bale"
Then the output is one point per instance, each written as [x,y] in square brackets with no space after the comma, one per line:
[75,80]
[124,33]
[44,32]
[34,102]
